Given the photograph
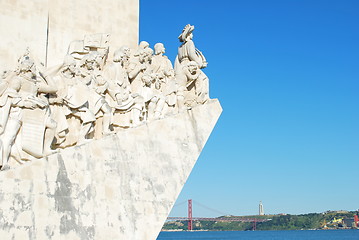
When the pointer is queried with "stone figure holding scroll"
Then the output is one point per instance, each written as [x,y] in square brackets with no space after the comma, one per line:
[38,128]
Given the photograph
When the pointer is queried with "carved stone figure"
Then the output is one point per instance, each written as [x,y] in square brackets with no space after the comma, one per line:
[142,46]
[164,76]
[86,98]
[73,96]
[126,105]
[138,67]
[187,52]
[10,117]
[198,81]
[91,75]
[153,98]
[38,128]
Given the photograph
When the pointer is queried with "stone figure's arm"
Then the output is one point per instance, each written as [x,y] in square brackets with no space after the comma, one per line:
[112,93]
[50,87]
[53,71]
[101,85]
[136,70]
[190,76]
[5,111]
[192,53]
[169,68]
[44,88]
[101,89]
[85,80]
[120,97]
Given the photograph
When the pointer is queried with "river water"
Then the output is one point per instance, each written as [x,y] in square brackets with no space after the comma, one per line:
[263,235]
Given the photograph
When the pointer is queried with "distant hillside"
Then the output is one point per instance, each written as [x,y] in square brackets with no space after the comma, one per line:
[325,220]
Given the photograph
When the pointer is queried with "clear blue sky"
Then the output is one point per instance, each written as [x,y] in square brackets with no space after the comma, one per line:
[287,75]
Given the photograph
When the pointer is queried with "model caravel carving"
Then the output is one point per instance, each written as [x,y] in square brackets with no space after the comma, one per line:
[88,96]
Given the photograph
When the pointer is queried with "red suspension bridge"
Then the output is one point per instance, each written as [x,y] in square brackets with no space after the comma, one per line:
[225,218]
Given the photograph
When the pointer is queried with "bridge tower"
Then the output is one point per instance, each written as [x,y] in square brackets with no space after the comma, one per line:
[190,218]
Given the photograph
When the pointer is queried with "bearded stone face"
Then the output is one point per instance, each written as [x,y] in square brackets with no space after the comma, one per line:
[193,68]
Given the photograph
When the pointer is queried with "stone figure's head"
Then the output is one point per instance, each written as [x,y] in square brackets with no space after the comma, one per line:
[89,62]
[145,55]
[148,54]
[143,45]
[186,33]
[159,48]
[69,65]
[26,55]
[122,54]
[192,67]
[126,51]
[118,55]
[170,73]
[147,80]
[99,59]
[27,67]
[4,74]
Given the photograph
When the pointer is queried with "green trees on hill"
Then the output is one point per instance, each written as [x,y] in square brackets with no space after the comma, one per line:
[293,222]
[277,222]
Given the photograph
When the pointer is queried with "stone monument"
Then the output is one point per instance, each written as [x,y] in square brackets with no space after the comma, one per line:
[97,135]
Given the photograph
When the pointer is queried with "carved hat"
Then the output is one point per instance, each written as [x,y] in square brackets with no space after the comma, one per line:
[187,30]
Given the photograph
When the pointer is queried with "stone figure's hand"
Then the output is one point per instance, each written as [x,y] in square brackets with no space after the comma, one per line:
[143,67]
[59,100]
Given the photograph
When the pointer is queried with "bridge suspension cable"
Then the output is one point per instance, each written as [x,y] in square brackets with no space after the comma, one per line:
[179,204]
[211,209]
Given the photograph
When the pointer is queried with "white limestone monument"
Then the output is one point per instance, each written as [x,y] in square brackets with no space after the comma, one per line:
[98,133]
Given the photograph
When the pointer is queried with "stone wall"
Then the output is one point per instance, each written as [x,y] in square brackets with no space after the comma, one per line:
[48,26]
[120,187]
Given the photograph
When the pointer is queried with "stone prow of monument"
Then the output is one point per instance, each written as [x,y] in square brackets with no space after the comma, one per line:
[122,186]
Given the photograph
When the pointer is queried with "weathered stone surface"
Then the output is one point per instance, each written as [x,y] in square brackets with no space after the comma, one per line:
[23,24]
[48,26]
[73,19]
[120,187]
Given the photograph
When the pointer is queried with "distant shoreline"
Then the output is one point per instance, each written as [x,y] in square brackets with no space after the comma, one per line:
[331,220]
